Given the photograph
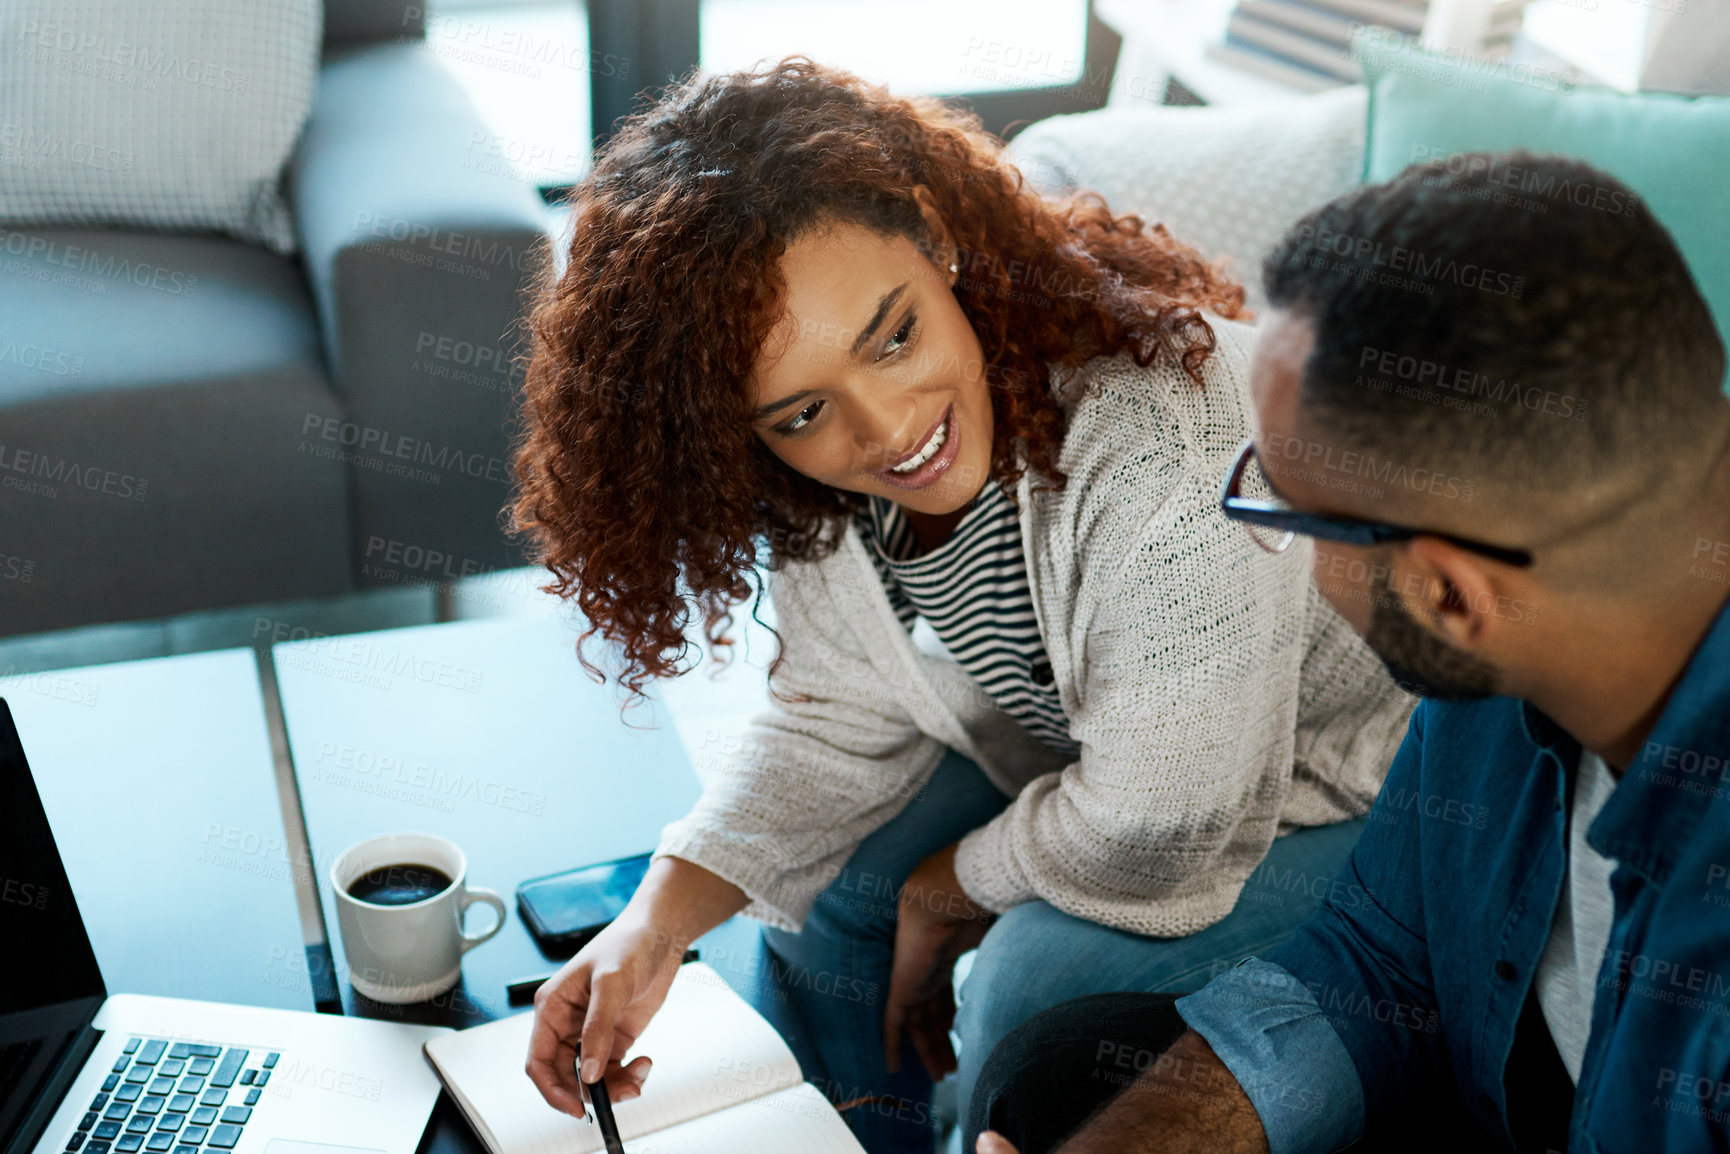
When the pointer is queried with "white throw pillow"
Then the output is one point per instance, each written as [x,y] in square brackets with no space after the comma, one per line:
[1229,181]
[172,114]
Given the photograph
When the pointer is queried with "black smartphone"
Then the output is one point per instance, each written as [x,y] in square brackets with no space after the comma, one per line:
[564,910]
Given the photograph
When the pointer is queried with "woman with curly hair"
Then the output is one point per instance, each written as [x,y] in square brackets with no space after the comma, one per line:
[1032,693]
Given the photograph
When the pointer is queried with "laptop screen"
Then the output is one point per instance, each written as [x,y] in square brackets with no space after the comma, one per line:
[52,985]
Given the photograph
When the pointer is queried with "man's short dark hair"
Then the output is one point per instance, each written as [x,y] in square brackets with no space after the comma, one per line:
[1508,316]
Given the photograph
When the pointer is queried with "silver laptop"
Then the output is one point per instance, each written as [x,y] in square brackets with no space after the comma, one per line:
[88,1073]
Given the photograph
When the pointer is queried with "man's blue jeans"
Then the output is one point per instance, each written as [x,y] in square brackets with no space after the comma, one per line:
[826,985]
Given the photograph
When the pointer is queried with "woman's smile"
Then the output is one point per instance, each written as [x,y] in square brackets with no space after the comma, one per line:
[921,466]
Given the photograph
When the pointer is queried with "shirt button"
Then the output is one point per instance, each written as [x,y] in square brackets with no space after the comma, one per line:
[1504,970]
[1042,674]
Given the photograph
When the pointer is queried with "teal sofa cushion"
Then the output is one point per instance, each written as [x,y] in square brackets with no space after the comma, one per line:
[1673,151]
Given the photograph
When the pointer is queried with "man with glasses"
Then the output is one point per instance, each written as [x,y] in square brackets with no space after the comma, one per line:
[1522,500]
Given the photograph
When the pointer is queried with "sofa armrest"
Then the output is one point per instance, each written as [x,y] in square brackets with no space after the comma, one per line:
[419,255]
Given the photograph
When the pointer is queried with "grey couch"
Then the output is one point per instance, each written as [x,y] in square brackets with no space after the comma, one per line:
[188,421]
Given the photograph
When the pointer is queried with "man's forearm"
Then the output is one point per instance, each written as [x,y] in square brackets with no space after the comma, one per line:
[1186,1102]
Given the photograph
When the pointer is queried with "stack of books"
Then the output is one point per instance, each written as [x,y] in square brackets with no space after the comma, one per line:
[1306,44]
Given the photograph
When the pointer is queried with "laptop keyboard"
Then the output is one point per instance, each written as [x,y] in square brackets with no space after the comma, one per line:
[174,1097]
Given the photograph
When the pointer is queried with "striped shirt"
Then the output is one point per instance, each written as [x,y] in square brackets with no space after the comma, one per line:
[972,589]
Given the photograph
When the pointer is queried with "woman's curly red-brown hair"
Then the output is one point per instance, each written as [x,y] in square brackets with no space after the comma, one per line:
[643,487]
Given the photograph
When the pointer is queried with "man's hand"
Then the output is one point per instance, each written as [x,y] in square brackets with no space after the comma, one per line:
[937,924]
[991,1142]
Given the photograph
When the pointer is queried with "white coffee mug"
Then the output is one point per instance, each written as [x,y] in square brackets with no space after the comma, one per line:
[412,952]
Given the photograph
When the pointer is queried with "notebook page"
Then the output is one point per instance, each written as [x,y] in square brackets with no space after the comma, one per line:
[795,1121]
[710,1049]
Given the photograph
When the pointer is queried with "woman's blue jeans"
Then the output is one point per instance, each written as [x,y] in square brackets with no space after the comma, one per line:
[826,985]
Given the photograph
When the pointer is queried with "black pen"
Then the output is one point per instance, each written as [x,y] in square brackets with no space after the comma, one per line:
[602,1107]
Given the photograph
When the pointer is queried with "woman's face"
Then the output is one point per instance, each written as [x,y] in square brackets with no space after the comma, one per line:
[872,380]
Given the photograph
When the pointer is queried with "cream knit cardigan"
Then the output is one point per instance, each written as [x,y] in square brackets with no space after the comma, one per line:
[1217,699]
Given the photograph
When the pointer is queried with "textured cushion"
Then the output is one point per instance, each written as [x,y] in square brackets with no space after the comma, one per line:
[166,116]
[1673,151]
[1228,180]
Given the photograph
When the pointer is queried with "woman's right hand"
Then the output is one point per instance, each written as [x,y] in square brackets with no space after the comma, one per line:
[605,996]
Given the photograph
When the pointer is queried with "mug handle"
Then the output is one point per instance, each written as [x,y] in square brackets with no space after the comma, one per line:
[471,895]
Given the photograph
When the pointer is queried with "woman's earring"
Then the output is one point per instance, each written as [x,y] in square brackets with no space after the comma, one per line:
[954,268]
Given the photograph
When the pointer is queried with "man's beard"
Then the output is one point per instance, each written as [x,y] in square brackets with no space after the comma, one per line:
[1421,662]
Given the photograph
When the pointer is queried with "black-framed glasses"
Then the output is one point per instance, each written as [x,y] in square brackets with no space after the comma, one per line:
[1248,498]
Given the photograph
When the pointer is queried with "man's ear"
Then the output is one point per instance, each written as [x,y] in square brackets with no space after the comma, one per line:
[1453,590]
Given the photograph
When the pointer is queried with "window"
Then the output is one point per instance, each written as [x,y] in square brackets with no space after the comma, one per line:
[526,65]
[550,77]
[940,47]
[1604,38]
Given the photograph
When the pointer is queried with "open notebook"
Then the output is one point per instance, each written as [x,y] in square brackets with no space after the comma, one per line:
[723,1081]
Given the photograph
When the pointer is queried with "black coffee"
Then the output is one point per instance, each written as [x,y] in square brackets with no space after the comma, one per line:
[399,885]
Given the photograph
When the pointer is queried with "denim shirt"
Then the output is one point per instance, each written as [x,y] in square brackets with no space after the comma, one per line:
[1400,996]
